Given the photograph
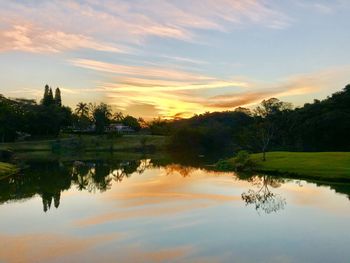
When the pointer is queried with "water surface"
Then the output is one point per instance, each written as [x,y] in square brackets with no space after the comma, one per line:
[141,211]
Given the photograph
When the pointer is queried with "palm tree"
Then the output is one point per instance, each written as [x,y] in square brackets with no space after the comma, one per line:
[82,109]
[118,116]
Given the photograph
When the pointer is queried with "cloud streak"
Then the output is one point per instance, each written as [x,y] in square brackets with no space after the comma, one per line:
[151,72]
[66,25]
[27,38]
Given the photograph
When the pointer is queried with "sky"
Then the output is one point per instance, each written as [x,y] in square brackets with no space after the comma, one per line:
[175,58]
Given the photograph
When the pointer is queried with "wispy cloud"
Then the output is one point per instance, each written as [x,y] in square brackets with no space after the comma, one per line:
[151,72]
[165,57]
[25,37]
[87,24]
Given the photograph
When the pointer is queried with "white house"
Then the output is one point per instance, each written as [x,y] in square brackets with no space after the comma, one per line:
[119,127]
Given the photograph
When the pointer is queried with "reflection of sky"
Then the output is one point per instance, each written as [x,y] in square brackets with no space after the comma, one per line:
[162,58]
[161,215]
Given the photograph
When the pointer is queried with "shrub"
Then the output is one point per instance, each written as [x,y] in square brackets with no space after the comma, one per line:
[225,165]
[243,162]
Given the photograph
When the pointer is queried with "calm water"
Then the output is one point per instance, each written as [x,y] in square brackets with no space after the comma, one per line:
[141,211]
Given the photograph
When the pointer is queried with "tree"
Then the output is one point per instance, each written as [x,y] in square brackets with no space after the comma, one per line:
[58,99]
[82,109]
[244,110]
[266,116]
[132,122]
[9,119]
[101,116]
[48,96]
[142,123]
[118,117]
[81,117]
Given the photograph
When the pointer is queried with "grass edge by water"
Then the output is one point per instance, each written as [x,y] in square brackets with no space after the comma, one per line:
[317,166]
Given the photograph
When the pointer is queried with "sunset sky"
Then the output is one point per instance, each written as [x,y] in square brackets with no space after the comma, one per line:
[177,57]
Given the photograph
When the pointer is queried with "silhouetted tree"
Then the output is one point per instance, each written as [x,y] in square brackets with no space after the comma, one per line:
[118,117]
[132,122]
[58,99]
[266,116]
[82,109]
[101,116]
[48,96]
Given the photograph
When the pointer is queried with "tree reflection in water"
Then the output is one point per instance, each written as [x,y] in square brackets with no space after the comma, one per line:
[50,179]
[98,176]
[263,198]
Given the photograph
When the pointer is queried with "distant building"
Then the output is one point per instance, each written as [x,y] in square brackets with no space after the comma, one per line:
[22,136]
[120,128]
[88,129]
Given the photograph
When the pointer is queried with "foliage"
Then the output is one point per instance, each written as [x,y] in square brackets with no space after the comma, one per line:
[225,165]
[101,116]
[132,122]
[273,125]
[242,162]
[159,127]
[18,116]
[210,132]
[58,99]
[7,169]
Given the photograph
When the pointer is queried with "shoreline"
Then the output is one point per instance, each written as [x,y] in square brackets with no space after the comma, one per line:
[331,167]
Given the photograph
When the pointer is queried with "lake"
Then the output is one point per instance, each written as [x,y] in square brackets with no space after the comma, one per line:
[151,211]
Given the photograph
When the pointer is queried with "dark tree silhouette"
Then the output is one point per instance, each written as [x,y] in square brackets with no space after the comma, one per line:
[48,96]
[132,122]
[101,116]
[266,116]
[82,109]
[58,99]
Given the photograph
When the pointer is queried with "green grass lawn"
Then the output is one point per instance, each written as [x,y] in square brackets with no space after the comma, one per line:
[7,169]
[319,165]
[91,143]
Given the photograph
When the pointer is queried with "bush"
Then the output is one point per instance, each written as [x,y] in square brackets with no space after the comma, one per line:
[243,162]
[225,165]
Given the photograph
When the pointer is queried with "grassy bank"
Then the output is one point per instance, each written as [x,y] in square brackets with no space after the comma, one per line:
[321,166]
[90,143]
[7,169]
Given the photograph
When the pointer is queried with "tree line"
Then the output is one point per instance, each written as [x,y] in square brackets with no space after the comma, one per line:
[97,117]
[20,117]
[273,125]
[23,116]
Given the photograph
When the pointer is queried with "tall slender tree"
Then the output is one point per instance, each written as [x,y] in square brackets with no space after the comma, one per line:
[48,96]
[45,101]
[58,99]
